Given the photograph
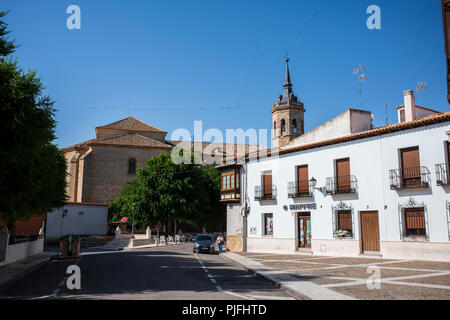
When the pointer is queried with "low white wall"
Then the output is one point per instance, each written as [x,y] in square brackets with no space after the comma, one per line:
[269,244]
[23,250]
[338,247]
[436,251]
[81,219]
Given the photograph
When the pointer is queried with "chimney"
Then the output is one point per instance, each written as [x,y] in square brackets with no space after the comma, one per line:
[410,105]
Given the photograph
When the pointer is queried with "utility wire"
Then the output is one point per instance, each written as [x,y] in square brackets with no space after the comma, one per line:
[145,108]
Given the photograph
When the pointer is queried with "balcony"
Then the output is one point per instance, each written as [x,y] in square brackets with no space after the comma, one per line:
[414,177]
[265,193]
[442,178]
[300,189]
[341,185]
[231,195]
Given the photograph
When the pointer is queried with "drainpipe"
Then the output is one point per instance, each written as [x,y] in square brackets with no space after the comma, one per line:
[245,213]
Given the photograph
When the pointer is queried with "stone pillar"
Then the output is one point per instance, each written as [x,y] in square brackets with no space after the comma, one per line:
[148,233]
[118,232]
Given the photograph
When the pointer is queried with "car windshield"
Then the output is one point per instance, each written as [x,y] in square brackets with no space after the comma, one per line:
[204,238]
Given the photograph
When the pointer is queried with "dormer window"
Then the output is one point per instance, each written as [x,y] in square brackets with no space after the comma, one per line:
[132,166]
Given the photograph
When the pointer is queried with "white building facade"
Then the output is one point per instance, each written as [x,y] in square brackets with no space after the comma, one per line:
[344,188]
[383,212]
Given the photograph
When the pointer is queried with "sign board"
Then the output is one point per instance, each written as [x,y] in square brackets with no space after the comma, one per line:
[303,206]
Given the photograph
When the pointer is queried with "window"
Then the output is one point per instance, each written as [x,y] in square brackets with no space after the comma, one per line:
[283,126]
[132,166]
[229,180]
[274,125]
[415,222]
[268,224]
[344,220]
[294,126]
[410,166]
[302,179]
[267,183]
[343,178]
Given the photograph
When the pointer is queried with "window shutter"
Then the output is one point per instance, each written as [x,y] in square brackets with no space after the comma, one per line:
[302,179]
[267,181]
[343,173]
[410,166]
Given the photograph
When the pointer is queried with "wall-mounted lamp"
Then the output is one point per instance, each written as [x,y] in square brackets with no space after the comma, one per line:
[313,182]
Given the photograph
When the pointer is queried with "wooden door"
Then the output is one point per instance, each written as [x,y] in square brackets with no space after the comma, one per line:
[342,174]
[370,233]
[304,230]
[267,182]
[410,166]
[302,179]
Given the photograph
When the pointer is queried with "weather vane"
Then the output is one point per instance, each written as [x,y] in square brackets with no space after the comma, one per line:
[360,71]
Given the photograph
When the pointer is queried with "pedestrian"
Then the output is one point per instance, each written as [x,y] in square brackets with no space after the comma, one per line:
[220,241]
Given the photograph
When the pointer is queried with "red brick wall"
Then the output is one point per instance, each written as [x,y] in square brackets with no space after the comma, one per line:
[29,227]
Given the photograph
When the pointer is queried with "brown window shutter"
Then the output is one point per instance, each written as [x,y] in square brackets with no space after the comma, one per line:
[410,166]
[345,220]
[302,178]
[415,220]
[343,173]
[267,181]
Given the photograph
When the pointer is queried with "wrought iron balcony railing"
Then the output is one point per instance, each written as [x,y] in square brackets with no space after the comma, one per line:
[414,177]
[299,189]
[341,184]
[265,193]
[442,174]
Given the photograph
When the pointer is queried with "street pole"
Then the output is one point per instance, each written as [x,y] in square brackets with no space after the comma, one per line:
[132,223]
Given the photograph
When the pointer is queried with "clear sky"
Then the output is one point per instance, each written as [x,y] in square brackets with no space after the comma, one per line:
[169,62]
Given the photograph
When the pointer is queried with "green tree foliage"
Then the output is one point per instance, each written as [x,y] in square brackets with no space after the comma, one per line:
[163,190]
[32,168]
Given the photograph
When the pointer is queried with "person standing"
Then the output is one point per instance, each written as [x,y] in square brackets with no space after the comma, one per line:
[220,242]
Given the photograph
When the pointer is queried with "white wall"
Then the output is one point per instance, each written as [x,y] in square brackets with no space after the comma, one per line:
[370,161]
[23,250]
[93,221]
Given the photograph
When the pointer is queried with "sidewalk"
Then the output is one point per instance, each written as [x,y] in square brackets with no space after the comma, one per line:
[21,268]
[302,289]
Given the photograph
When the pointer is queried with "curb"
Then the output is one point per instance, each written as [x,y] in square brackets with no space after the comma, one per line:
[282,286]
[25,272]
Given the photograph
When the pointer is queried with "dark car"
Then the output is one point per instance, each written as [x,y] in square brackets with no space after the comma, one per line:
[204,243]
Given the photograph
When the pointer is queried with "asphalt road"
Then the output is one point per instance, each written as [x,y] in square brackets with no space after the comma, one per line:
[172,272]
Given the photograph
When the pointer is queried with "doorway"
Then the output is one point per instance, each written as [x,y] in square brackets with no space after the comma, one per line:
[370,232]
[304,230]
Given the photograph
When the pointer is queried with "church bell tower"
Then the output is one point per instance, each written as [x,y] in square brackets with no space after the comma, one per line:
[287,115]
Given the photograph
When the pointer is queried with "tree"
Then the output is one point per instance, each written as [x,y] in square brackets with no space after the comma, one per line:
[163,190]
[33,169]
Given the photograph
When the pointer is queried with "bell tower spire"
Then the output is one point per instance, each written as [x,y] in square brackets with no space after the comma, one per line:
[287,114]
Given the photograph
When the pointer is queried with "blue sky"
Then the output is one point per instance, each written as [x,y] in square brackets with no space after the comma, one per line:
[191,60]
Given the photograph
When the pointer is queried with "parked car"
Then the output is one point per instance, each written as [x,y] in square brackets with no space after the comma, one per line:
[204,243]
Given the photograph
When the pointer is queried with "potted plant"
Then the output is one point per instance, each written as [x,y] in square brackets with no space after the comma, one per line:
[343,234]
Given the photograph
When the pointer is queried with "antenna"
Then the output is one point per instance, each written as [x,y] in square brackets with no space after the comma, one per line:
[387,122]
[421,86]
[360,71]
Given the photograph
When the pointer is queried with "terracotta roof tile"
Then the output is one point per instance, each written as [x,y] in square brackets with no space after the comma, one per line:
[132,139]
[429,120]
[131,123]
